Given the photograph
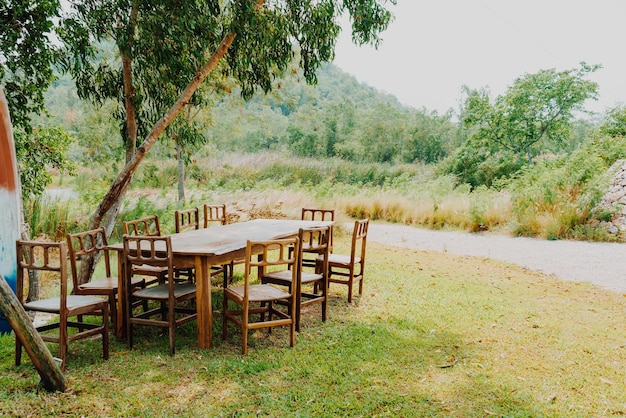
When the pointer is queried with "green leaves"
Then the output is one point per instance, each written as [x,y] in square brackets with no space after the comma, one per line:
[535,113]
[46,147]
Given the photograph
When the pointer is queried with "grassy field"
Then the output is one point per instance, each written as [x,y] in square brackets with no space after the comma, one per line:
[433,335]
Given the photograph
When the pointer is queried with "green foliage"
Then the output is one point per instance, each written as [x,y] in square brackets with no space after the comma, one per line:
[536,108]
[46,147]
[26,57]
[614,124]
[555,198]
[479,166]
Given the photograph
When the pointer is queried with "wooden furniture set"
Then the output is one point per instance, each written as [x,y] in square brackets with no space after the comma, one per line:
[292,260]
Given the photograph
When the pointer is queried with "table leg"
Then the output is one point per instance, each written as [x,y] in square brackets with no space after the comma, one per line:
[122,297]
[203,302]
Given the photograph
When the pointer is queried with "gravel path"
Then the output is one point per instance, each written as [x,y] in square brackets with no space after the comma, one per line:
[603,264]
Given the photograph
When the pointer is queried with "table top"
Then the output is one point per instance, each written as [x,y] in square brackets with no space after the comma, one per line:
[224,239]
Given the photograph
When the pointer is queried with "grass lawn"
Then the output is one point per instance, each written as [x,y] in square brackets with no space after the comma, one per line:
[433,335]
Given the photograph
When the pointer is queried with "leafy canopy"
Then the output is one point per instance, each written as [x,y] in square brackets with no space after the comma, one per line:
[27,57]
[537,107]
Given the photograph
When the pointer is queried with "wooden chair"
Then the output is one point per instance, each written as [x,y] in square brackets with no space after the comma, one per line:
[94,242]
[348,269]
[148,227]
[309,259]
[262,299]
[214,214]
[52,256]
[189,220]
[170,312]
[310,287]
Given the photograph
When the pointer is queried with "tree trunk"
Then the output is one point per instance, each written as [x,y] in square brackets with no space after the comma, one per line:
[52,378]
[115,194]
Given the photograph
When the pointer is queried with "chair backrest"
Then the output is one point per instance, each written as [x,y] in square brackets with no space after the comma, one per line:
[42,256]
[148,226]
[320,215]
[187,220]
[148,250]
[273,254]
[83,244]
[359,239]
[214,213]
[315,240]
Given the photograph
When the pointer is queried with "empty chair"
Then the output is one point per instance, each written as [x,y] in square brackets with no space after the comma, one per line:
[170,311]
[310,287]
[309,255]
[189,220]
[92,243]
[262,299]
[52,257]
[214,214]
[149,227]
[348,269]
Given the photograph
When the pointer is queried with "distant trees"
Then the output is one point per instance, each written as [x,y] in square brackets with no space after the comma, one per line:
[508,131]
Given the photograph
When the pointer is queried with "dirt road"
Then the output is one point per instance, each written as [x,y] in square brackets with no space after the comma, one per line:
[603,264]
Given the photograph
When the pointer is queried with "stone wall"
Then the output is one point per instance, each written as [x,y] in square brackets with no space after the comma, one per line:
[615,199]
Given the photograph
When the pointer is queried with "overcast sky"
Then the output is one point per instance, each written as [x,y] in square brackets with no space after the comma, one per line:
[434,47]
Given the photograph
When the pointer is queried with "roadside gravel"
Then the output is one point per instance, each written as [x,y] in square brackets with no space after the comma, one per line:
[603,264]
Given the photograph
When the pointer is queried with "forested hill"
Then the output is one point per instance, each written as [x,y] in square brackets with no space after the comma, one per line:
[337,117]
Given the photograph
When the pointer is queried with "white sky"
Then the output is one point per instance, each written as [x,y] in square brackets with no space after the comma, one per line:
[434,47]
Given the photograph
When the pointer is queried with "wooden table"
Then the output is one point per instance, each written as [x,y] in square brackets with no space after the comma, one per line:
[204,248]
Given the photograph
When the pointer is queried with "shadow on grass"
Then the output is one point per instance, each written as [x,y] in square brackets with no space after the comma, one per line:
[344,367]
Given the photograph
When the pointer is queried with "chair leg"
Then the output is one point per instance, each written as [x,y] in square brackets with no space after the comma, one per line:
[112,309]
[18,351]
[350,290]
[296,315]
[244,330]
[129,324]
[105,332]
[63,341]
[172,327]
[225,319]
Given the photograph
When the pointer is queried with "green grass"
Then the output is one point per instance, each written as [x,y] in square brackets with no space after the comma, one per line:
[433,335]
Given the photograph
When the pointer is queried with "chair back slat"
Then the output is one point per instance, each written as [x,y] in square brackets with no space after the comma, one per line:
[214,214]
[309,214]
[83,244]
[359,239]
[148,226]
[187,220]
[274,253]
[42,256]
[150,250]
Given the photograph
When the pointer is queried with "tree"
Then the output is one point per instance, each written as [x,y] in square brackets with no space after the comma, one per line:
[537,107]
[180,43]
[27,57]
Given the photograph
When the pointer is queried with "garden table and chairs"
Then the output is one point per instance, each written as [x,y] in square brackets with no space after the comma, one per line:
[203,248]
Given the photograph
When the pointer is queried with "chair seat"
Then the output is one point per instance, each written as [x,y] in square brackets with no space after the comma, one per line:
[285,276]
[52,305]
[146,269]
[108,283]
[259,292]
[340,260]
[161,291]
